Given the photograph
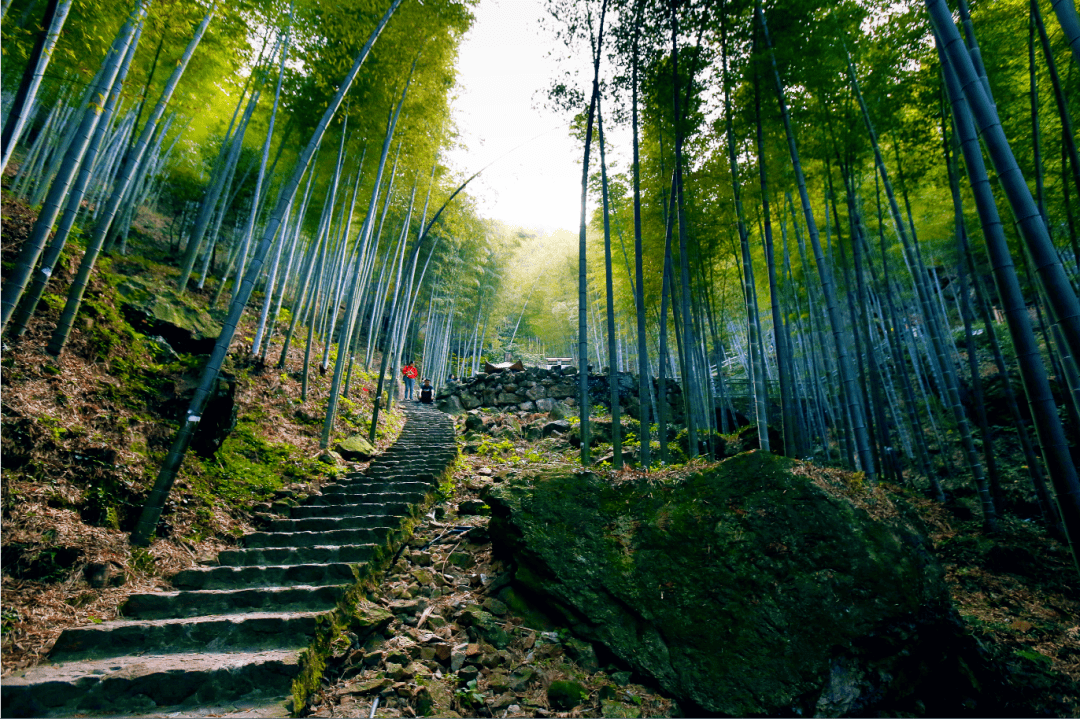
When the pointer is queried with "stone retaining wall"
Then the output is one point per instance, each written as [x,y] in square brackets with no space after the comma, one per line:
[536,389]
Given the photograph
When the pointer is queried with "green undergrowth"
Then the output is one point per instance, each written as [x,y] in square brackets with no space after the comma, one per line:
[352,621]
[245,471]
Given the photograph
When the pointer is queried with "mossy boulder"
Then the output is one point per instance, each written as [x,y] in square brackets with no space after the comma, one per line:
[566,695]
[355,449]
[758,586]
[159,310]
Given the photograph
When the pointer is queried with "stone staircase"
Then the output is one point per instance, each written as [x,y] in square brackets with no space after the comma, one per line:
[236,630]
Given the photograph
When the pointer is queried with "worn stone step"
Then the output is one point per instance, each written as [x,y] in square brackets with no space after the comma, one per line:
[288,575]
[140,684]
[374,535]
[413,492]
[353,509]
[412,483]
[269,556]
[256,631]
[164,605]
[235,630]
[327,524]
[420,472]
[416,452]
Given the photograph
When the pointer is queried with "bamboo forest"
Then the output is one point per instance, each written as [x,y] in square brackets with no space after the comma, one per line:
[553,358]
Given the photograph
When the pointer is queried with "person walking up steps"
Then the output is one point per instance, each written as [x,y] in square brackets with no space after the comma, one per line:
[427,392]
[410,373]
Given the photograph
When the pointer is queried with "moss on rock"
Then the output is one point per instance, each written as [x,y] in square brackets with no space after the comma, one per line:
[743,589]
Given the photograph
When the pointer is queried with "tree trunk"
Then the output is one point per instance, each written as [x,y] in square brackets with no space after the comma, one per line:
[56,13]
[1048,426]
[1059,293]
[163,484]
[58,192]
[847,375]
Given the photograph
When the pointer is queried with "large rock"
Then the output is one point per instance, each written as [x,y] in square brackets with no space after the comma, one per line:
[355,449]
[474,422]
[749,588]
[162,311]
[450,403]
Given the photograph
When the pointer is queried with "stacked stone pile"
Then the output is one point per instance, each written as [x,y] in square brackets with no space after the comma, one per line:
[536,389]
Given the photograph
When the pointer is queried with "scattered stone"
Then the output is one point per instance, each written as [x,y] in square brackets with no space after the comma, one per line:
[502,701]
[583,653]
[457,659]
[405,606]
[498,681]
[397,656]
[468,673]
[474,422]
[473,506]
[461,559]
[559,426]
[424,700]
[494,606]
[104,574]
[368,618]
[621,678]
[544,405]
[521,678]
[486,471]
[370,686]
[332,458]
[618,710]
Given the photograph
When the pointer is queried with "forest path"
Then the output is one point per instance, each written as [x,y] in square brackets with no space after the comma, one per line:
[237,629]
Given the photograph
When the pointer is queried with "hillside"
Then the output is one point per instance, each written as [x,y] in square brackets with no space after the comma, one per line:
[84,436]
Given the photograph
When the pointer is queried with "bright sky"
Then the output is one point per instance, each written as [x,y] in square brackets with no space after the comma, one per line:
[502,72]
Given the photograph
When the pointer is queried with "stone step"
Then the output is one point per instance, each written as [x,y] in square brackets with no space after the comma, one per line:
[235,630]
[286,575]
[140,684]
[416,453]
[413,483]
[314,539]
[256,631]
[329,524]
[355,497]
[326,554]
[165,605]
[354,509]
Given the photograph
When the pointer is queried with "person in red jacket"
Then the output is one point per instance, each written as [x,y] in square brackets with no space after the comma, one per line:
[410,373]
